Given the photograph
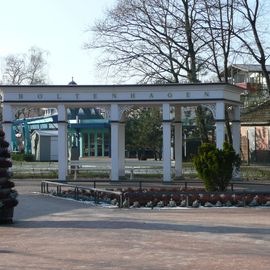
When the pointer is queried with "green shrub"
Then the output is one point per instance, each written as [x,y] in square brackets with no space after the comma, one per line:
[17,156]
[22,157]
[215,166]
[28,157]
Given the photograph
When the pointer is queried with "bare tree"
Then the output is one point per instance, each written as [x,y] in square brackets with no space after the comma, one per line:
[36,66]
[153,39]
[26,68]
[252,39]
[15,71]
[173,40]
[218,22]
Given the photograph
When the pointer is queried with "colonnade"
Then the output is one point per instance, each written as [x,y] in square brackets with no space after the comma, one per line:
[116,115]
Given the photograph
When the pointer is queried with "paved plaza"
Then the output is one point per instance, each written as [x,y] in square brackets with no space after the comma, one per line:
[52,233]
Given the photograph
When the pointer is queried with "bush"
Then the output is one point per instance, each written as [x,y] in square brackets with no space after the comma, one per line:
[215,166]
[17,156]
[22,157]
[28,157]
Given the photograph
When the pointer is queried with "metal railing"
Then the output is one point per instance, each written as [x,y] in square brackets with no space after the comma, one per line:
[45,185]
[121,195]
[153,183]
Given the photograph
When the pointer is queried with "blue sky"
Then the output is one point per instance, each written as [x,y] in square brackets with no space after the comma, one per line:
[57,26]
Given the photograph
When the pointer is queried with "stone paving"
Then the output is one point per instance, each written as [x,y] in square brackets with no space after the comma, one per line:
[52,233]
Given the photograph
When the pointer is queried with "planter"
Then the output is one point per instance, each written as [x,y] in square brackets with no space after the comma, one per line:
[6,215]
[7,194]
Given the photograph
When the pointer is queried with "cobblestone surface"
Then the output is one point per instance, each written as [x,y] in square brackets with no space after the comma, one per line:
[52,233]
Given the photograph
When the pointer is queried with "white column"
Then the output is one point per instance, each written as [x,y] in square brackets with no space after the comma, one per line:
[115,142]
[178,144]
[236,125]
[7,123]
[115,151]
[62,143]
[220,124]
[81,143]
[121,149]
[166,155]
[236,129]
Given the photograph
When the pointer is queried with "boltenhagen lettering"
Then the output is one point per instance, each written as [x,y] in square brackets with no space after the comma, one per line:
[92,96]
[40,96]
[20,96]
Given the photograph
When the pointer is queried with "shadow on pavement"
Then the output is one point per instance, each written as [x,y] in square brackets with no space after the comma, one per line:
[119,225]
[35,205]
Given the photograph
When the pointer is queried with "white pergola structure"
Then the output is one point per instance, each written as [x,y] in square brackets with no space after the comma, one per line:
[117,99]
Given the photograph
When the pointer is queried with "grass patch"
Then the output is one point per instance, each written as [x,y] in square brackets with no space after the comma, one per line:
[253,173]
[49,170]
[26,175]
